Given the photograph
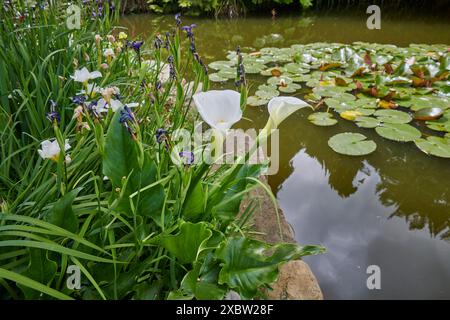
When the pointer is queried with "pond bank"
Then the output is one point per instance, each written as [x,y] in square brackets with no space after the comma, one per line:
[296,281]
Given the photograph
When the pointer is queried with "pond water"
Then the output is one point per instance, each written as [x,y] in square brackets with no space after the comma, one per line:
[390,208]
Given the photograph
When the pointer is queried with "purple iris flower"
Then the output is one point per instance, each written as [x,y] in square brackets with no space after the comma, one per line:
[79,99]
[136,45]
[160,135]
[91,107]
[188,30]
[178,19]
[240,69]
[53,115]
[173,74]
[188,156]
[158,42]
[167,41]
[126,115]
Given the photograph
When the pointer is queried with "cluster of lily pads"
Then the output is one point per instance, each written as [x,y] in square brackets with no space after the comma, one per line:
[402,93]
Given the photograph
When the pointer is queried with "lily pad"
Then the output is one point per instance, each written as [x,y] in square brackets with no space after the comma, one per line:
[392,116]
[267,94]
[350,115]
[401,132]
[279,80]
[333,92]
[367,122]
[273,72]
[289,87]
[352,144]
[215,77]
[218,65]
[442,124]
[322,119]
[297,68]
[428,114]
[256,101]
[436,146]
[254,67]
[228,73]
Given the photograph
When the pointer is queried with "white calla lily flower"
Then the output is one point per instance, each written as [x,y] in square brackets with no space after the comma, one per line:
[282,107]
[51,150]
[83,75]
[219,108]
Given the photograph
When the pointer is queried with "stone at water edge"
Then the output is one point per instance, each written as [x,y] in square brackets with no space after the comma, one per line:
[295,282]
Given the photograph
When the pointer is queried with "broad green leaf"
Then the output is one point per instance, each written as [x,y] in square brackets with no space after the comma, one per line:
[194,204]
[352,144]
[289,88]
[398,132]
[225,203]
[267,94]
[62,214]
[367,122]
[215,77]
[256,101]
[185,244]
[40,269]
[121,154]
[322,119]
[222,64]
[202,281]
[442,124]
[249,264]
[436,146]
[392,116]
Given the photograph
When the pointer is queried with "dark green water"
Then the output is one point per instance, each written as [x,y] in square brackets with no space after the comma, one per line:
[391,208]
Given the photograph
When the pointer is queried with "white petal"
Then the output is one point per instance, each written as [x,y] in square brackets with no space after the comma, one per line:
[115,105]
[66,145]
[82,75]
[101,106]
[42,154]
[219,108]
[95,74]
[282,107]
[132,105]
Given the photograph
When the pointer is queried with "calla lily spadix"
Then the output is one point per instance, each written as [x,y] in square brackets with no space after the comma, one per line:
[220,109]
[83,75]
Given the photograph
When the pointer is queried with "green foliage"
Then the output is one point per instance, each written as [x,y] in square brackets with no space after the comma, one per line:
[114,204]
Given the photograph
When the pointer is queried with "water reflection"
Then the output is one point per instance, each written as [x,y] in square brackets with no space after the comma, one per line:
[379,210]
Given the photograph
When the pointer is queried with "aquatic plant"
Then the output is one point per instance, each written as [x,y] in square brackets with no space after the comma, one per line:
[396,91]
